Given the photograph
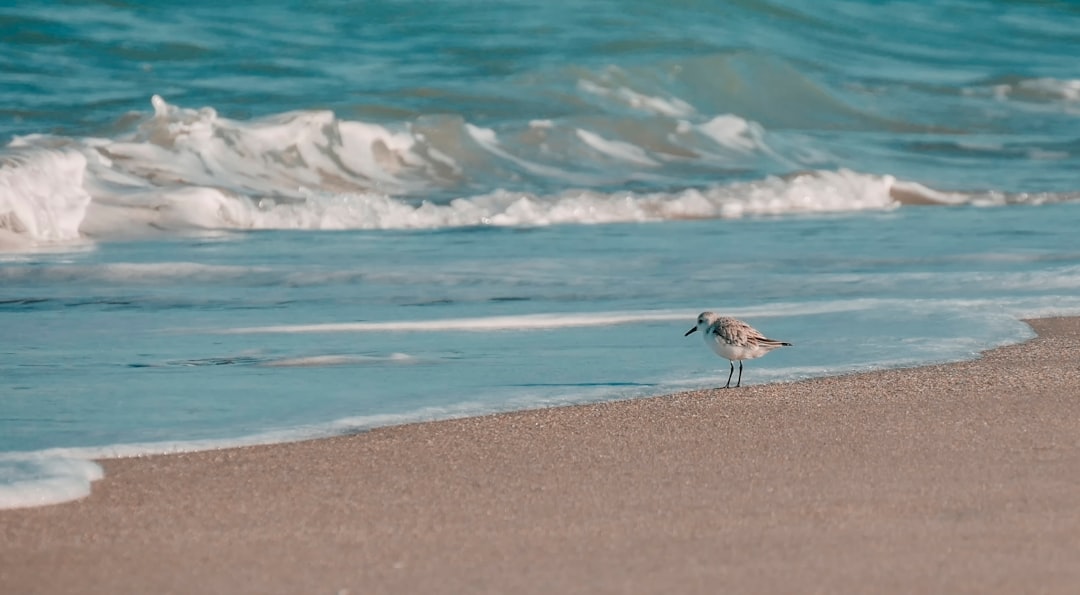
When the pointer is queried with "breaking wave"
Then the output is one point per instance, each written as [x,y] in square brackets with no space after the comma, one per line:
[185,169]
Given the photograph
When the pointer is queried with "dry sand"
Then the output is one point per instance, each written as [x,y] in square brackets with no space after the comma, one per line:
[960,478]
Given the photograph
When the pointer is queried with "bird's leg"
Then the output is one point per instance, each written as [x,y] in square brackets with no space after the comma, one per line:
[739,383]
[728,385]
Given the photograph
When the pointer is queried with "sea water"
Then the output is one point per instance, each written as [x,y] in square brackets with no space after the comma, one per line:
[234,225]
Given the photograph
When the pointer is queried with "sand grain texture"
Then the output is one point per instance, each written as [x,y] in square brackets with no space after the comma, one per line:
[962,478]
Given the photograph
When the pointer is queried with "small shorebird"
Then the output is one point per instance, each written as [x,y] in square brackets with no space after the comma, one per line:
[733,339]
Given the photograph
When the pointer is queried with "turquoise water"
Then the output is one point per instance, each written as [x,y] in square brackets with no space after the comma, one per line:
[225,226]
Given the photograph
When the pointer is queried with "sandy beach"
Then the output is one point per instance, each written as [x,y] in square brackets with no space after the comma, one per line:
[960,478]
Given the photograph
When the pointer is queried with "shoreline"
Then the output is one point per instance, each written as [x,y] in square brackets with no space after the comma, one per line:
[954,477]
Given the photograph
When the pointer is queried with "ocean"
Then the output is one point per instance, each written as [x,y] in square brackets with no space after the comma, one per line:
[226,225]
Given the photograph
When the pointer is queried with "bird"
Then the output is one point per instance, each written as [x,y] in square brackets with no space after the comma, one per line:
[733,339]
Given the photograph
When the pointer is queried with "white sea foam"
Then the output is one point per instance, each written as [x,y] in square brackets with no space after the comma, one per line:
[1036,95]
[184,169]
[38,479]
[809,193]
[1040,89]
[617,149]
[734,132]
[664,106]
[187,169]
[816,192]
[41,195]
[484,324]
[555,321]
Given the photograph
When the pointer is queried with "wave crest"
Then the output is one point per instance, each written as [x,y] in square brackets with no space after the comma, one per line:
[187,169]
[41,196]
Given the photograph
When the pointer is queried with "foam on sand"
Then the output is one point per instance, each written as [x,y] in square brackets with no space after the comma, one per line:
[33,479]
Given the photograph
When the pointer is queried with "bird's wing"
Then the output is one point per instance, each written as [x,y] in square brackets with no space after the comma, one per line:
[736,332]
[733,331]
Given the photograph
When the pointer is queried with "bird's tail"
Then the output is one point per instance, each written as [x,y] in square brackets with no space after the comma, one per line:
[775,343]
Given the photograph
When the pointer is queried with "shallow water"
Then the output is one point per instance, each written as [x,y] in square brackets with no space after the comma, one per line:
[223,226]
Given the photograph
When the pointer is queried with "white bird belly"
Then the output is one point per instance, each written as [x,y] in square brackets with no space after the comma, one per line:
[735,352]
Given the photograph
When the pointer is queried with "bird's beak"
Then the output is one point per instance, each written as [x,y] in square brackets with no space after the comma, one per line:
[689,332]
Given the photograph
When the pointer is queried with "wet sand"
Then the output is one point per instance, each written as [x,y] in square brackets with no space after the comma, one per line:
[961,478]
